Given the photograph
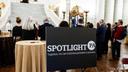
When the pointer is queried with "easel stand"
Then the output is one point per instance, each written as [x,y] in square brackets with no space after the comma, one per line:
[84,69]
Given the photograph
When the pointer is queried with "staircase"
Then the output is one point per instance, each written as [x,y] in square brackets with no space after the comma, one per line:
[24,10]
[37,11]
[53,17]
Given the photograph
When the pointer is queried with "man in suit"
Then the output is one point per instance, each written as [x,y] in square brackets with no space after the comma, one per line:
[43,27]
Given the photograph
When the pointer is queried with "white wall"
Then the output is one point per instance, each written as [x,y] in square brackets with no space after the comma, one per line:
[100,10]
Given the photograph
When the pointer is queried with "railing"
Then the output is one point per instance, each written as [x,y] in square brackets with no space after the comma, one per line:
[53,17]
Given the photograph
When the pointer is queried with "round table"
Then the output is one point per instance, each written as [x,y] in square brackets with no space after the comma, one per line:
[30,56]
[6,49]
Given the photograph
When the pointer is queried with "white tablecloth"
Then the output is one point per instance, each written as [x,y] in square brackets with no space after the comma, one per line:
[30,56]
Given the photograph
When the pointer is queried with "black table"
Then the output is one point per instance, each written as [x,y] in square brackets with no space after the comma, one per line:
[6,51]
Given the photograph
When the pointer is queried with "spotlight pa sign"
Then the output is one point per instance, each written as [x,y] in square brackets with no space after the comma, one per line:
[69,48]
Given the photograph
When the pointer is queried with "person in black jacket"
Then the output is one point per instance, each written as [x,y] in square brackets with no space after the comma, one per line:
[29,29]
[24,1]
[43,27]
[100,38]
[17,30]
[81,23]
[63,24]
[107,37]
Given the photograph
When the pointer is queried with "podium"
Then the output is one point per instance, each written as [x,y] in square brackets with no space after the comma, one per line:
[70,48]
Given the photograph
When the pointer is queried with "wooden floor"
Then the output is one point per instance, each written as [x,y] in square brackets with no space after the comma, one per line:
[105,64]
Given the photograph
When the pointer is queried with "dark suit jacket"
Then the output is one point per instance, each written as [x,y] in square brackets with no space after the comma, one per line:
[28,34]
[42,30]
[17,31]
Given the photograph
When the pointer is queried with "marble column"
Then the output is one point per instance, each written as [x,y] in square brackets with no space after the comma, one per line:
[109,11]
[68,4]
[100,10]
[118,10]
[125,12]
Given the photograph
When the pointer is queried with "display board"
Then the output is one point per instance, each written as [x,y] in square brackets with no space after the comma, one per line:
[69,48]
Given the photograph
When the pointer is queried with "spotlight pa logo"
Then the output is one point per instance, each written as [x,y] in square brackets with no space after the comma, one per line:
[91,45]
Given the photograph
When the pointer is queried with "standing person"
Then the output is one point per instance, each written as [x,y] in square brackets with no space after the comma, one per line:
[63,24]
[17,30]
[24,1]
[107,37]
[101,37]
[98,41]
[42,29]
[90,25]
[114,26]
[28,29]
[116,40]
[8,26]
[74,22]
[80,23]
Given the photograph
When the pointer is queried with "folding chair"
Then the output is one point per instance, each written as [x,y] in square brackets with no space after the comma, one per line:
[124,61]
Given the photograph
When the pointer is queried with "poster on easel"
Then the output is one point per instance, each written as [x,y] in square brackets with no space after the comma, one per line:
[70,48]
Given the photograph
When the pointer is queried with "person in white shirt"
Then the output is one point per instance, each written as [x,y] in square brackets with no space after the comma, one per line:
[8,26]
[29,29]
